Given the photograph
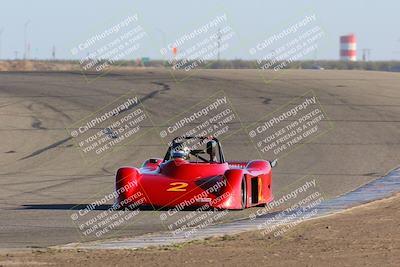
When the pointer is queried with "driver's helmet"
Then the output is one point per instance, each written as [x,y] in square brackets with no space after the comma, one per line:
[180,153]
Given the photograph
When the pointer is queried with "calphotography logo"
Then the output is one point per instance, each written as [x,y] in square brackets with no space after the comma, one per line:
[100,51]
[99,219]
[199,46]
[289,127]
[214,117]
[110,127]
[288,45]
[293,208]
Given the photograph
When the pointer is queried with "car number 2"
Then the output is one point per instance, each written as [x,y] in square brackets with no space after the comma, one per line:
[177,187]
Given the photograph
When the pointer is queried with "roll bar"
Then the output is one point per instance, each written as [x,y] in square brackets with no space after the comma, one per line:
[176,141]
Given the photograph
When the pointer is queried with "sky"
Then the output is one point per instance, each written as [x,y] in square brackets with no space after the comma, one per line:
[66,24]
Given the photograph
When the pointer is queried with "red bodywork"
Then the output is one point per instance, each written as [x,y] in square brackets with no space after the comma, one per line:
[181,183]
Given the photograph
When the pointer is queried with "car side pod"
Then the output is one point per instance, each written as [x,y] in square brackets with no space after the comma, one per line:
[233,195]
[261,173]
[126,185]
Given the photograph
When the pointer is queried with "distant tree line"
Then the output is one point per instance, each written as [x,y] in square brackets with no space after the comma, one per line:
[252,64]
[306,64]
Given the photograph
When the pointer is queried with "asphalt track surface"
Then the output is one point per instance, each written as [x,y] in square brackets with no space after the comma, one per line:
[43,177]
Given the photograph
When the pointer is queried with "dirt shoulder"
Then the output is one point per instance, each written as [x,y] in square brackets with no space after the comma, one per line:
[364,236]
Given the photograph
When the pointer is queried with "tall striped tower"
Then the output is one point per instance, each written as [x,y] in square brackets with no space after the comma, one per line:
[348,47]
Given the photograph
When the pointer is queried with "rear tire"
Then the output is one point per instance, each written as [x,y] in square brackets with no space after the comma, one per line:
[243,193]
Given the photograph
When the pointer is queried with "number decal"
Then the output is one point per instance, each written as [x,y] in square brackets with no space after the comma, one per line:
[177,187]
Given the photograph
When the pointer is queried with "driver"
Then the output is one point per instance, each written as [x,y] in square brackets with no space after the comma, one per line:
[180,153]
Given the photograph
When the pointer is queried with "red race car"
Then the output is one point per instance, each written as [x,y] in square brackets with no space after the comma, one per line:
[194,172]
